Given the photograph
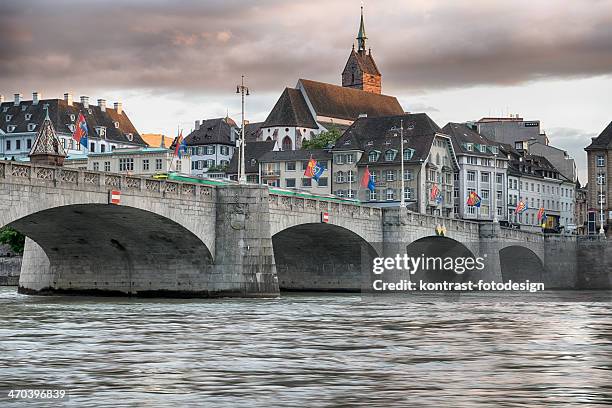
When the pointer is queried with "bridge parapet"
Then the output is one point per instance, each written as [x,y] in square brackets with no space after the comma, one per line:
[393,216]
[87,180]
[313,205]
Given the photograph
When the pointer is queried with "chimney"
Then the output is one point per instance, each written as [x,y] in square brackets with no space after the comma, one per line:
[36,97]
[163,141]
[85,102]
[17,99]
[102,104]
[197,125]
[68,98]
[119,107]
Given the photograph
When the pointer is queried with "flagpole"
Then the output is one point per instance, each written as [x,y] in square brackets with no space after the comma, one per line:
[402,199]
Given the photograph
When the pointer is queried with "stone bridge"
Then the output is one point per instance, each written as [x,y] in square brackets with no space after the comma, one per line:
[169,238]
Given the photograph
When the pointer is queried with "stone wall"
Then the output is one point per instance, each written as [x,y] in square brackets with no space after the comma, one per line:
[10,266]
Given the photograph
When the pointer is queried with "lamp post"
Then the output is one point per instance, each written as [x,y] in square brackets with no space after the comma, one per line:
[402,195]
[494,183]
[600,180]
[243,90]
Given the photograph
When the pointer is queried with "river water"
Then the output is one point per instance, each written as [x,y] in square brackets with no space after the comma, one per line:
[306,350]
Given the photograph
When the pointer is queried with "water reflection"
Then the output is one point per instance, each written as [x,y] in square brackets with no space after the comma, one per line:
[309,350]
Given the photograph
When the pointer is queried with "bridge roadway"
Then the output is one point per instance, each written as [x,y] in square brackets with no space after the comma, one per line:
[171,238]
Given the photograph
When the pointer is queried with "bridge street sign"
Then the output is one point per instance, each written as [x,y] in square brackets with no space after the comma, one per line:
[114,197]
[325,217]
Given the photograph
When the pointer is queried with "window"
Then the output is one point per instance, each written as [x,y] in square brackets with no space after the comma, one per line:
[210,150]
[92,147]
[407,175]
[499,178]
[290,182]
[96,166]
[116,125]
[126,164]
[350,158]
[106,166]
[179,165]
[8,145]
[600,160]
[408,153]
[390,175]
[130,137]
[287,143]
[102,148]
[472,160]
[469,147]
[29,143]
[158,164]
[340,193]
[373,175]
[10,128]
[339,159]
[101,131]
[601,179]
[209,163]
[484,177]
[323,182]
[304,165]
[389,155]
[350,176]
[306,182]
[407,193]
[373,156]
[390,194]
[350,193]
[290,166]
[145,164]
[31,127]
[72,118]
[498,195]
[340,177]
[8,118]
[17,144]
[373,195]
[471,176]
[483,148]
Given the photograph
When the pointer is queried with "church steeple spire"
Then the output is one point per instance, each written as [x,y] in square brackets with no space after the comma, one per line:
[361,36]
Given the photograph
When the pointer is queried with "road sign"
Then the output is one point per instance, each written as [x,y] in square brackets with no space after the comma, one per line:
[114,197]
[324,217]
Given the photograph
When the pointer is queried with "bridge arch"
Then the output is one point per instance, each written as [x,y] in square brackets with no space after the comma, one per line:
[320,257]
[115,249]
[519,263]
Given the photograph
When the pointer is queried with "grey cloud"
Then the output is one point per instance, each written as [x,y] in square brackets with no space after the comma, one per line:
[573,141]
[204,46]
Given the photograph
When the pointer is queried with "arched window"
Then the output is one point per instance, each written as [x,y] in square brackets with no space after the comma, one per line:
[287,143]
[269,139]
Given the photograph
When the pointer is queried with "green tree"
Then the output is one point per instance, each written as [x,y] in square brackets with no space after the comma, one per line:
[323,139]
[12,238]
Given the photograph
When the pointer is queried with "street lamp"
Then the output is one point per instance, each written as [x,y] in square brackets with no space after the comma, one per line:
[243,90]
[494,183]
[402,197]
[600,180]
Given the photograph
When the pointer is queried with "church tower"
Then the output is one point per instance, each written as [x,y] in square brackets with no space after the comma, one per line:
[360,71]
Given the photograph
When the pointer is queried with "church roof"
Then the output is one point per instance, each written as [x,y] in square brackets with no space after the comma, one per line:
[364,61]
[213,131]
[47,142]
[291,110]
[338,102]
[603,141]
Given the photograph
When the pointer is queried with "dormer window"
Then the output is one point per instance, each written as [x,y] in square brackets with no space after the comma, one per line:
[408,153]
[24,107]
[72,118]
[390,155]
[28,116]
[483,148]
[31,127]
[130,137]
[116,125]
[5,109]
[494,149]
[373,156]
[253,162]
[101,131]
[469,147]
[89,110]
[8,118]
[10,128]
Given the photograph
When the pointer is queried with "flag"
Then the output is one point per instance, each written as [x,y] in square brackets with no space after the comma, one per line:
[368,180]
[80,131]
[182,148]
[473,199]
[541,214]
[521,207]
[318,171]
[177,145]
[436,194]
[310,168]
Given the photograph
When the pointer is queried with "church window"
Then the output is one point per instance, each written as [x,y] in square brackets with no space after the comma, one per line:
[287,144]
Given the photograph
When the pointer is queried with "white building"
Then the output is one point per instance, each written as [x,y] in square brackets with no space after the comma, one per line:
[482,169]
[139,161]
[211,145]
[109,128]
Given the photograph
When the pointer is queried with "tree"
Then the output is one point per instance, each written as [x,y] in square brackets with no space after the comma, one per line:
[12,238]
[323,139]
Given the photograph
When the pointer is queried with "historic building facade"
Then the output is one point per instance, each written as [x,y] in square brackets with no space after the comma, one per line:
[599,164]
[139,161]
[211,145]
[286,168]
[109,128]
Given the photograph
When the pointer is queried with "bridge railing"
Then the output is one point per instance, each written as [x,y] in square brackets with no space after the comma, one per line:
[21,173]
[312,205]
[393,216]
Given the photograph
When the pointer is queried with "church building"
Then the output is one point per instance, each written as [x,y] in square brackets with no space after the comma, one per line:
[312,107]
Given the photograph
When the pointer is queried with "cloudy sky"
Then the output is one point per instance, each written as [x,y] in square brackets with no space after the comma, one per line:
[171,62]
